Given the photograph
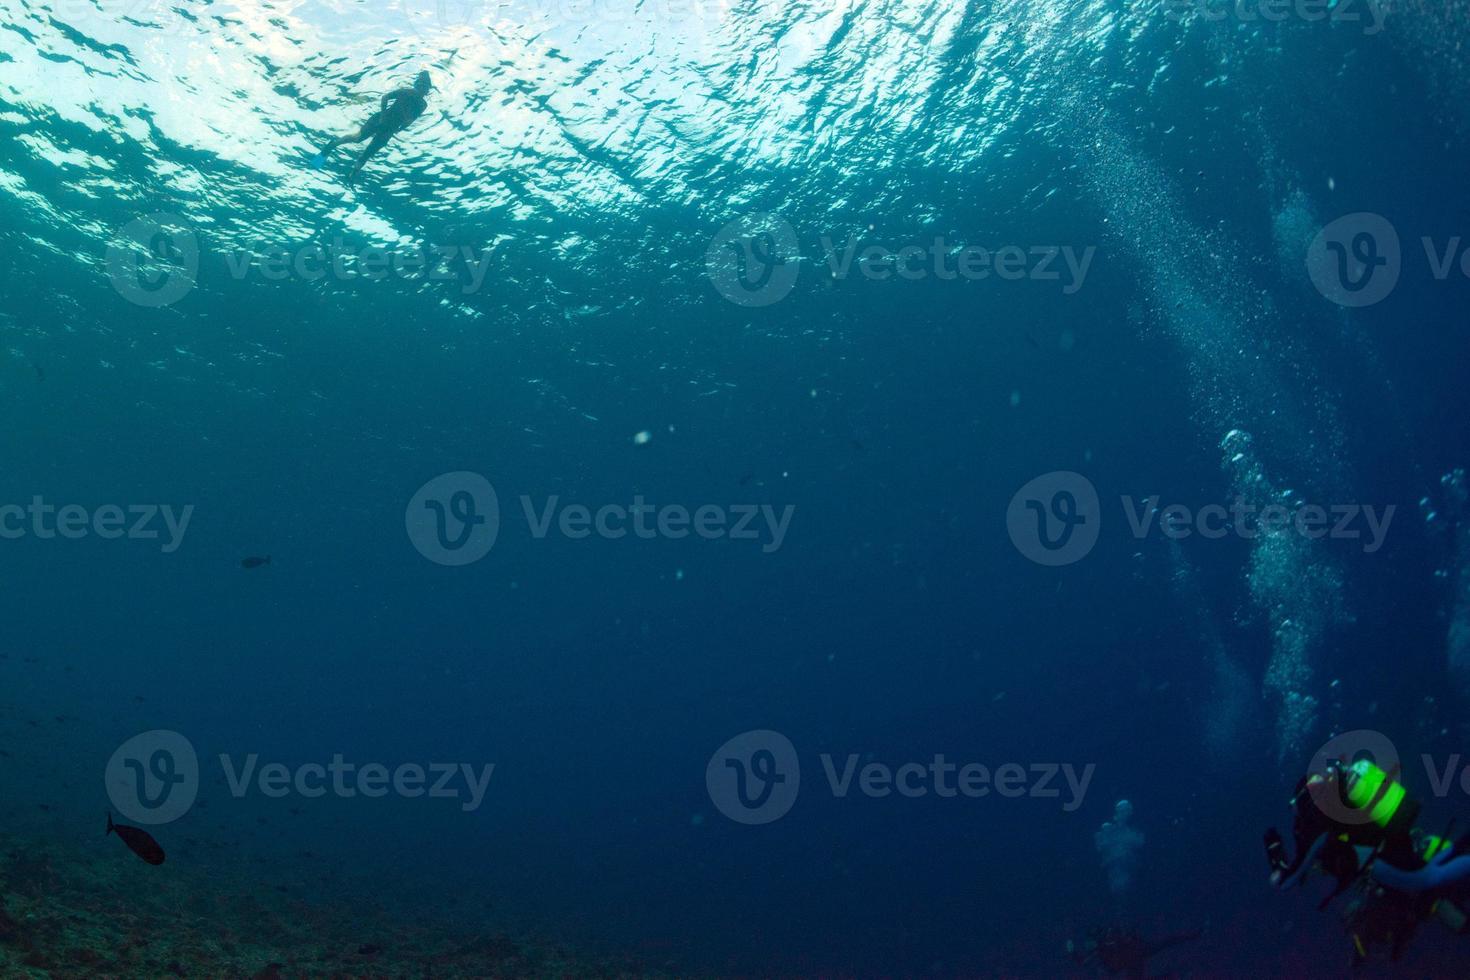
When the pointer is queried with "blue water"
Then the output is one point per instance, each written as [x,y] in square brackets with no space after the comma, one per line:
[619,325]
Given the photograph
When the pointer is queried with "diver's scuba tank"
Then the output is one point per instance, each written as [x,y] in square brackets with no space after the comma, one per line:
[1380,796]
[1344,816]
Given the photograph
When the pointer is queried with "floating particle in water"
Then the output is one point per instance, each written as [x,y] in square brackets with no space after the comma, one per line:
[642,438]
[1015,399]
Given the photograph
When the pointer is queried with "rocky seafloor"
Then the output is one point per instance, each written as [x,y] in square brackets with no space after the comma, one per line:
[67,912]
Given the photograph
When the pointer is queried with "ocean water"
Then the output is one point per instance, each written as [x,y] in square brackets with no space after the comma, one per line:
[708,428]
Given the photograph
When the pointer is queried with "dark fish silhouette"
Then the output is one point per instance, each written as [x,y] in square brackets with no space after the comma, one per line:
[255,562]
[140,842]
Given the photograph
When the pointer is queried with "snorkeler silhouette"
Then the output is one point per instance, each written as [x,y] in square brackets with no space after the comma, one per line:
[397,110]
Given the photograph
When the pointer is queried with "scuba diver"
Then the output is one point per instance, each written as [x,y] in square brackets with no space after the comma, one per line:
[396,111]
[1356,823]
[1123,953]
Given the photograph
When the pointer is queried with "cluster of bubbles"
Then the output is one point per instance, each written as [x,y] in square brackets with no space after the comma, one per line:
[1450,520]
[1118,843]
[1297,588]
[1232,694]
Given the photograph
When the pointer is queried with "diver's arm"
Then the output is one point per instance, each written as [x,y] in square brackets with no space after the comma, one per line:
[397,94]
[1284,873]
[1446,869]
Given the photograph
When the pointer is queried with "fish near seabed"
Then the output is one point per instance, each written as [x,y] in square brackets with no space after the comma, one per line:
[140,842]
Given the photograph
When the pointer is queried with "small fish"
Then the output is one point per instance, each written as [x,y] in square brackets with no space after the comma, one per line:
[140,842]
[255,562]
